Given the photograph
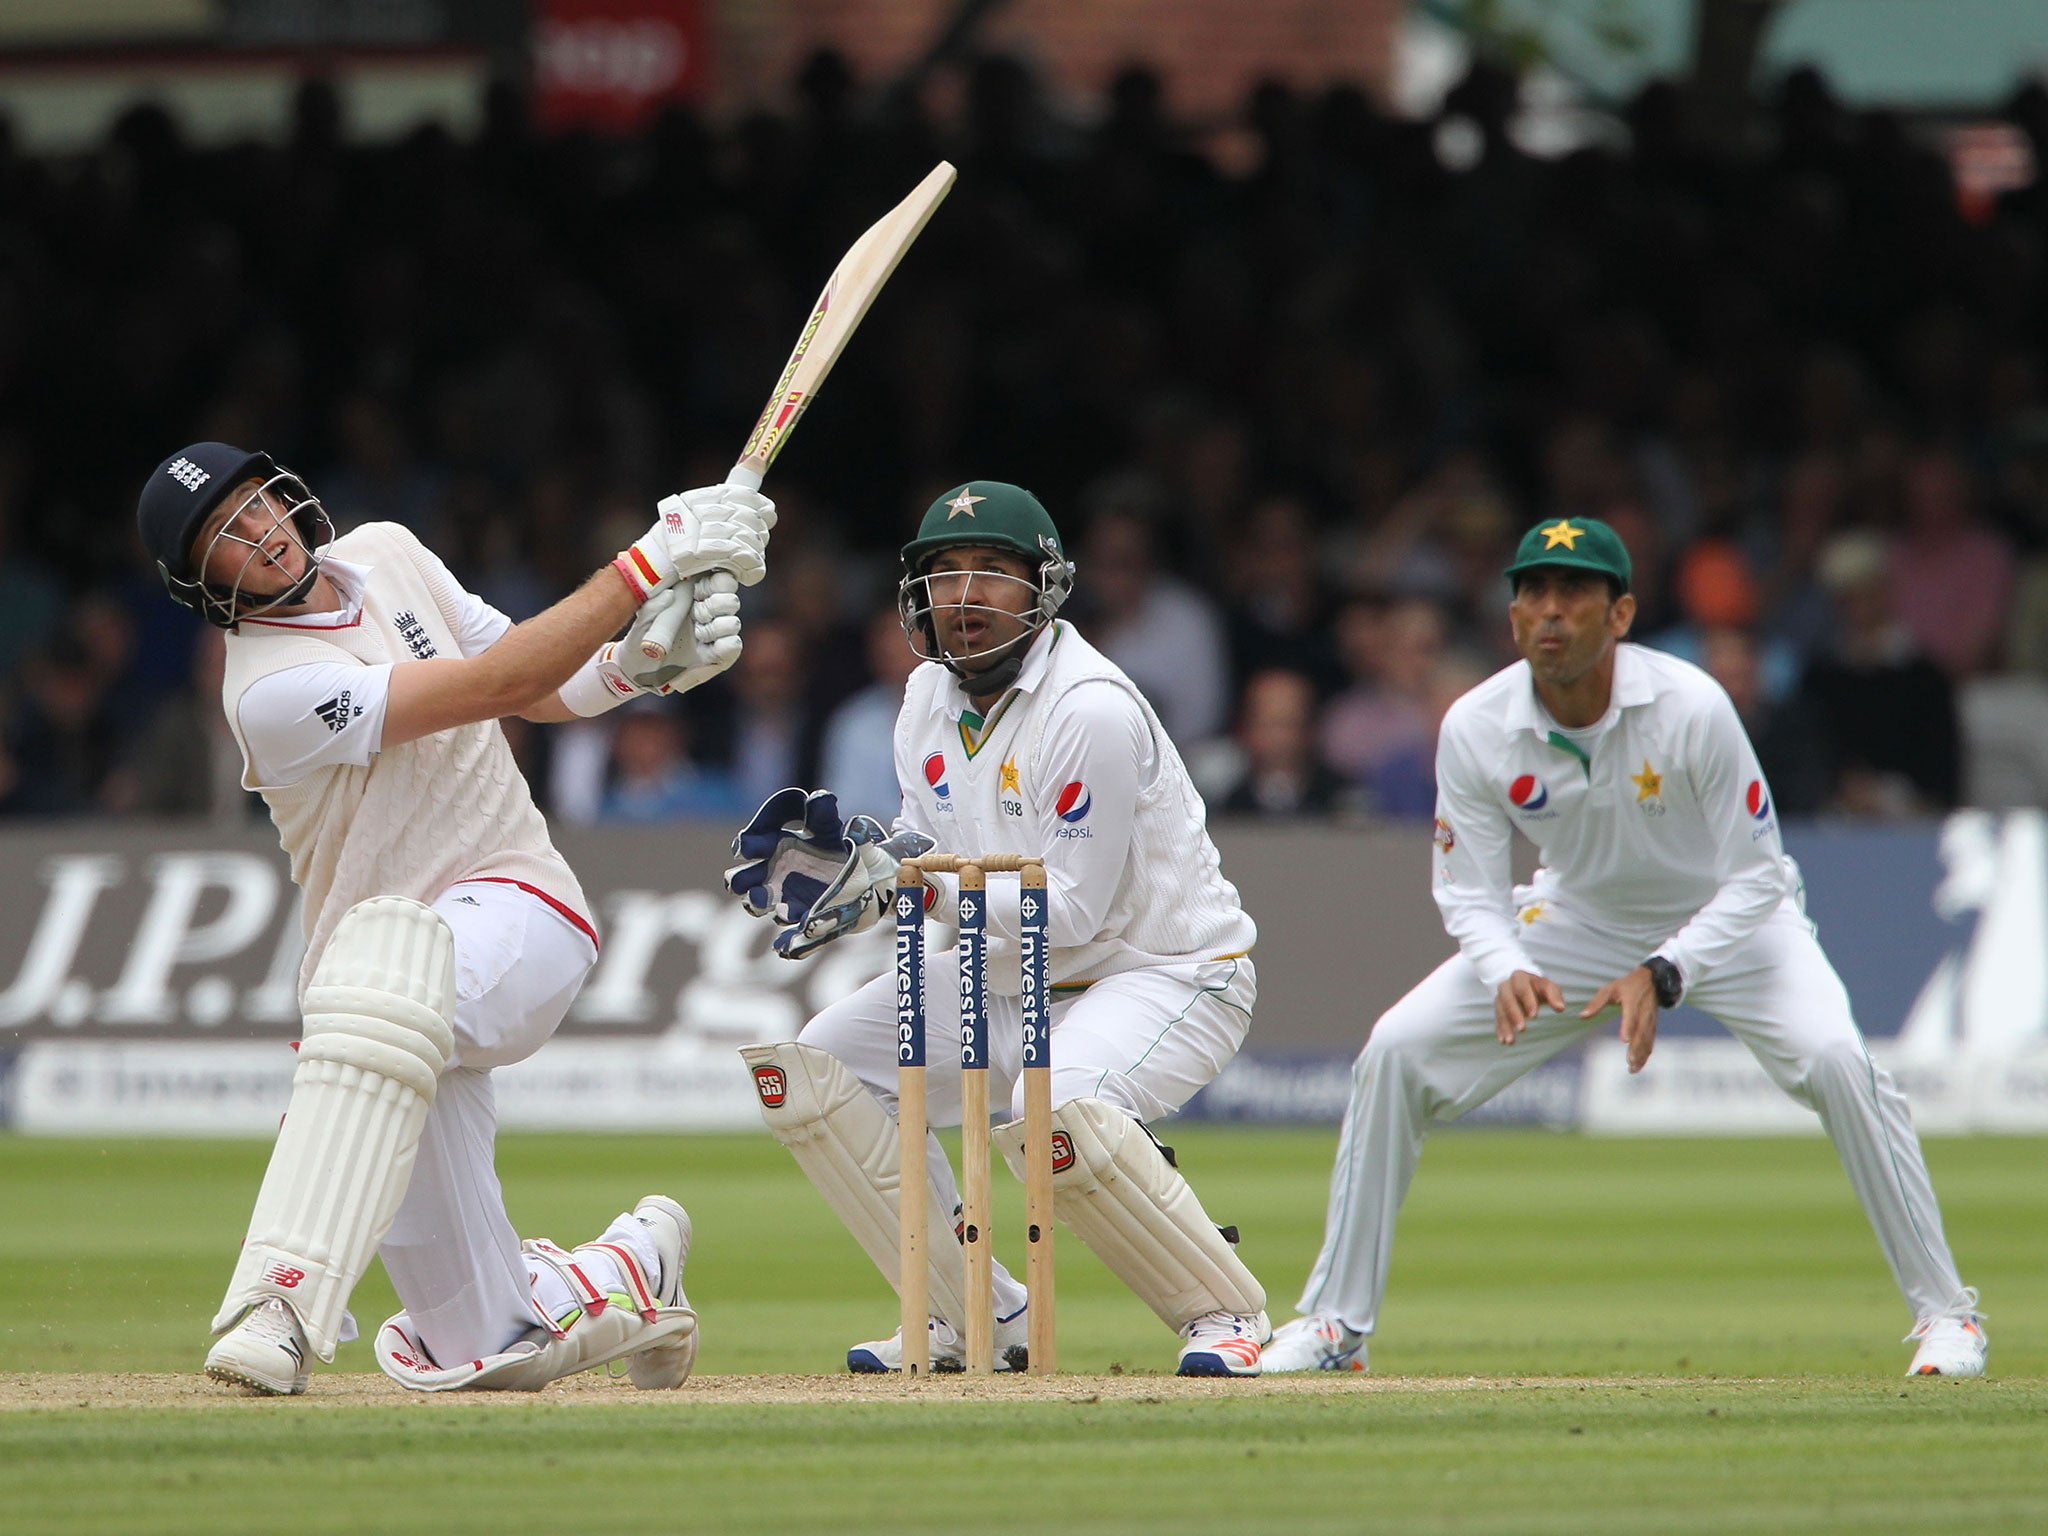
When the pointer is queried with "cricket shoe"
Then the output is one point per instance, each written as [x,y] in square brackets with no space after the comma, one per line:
[665,1365]
[1314,1344]
[265,1351]
[1952,1342]
[948,1349]
[1223,1344]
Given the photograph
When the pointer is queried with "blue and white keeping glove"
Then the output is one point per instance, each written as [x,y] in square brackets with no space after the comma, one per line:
[794,847]
[861,892]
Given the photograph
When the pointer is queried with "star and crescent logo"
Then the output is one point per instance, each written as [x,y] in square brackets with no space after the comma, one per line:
[1649,782]
[1561,532]
[1009,777]
[963,504]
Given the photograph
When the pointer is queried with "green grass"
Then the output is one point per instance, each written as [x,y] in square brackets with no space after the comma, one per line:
[1736,1280]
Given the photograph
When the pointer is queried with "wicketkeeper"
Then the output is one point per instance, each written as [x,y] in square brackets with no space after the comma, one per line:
[1017,736]
[445,936]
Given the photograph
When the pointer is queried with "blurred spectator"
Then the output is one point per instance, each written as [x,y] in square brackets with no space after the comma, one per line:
[1788,745]
[1279,607]
[858,761]
[1387,712]
[1164,633]
[653,777]
[1716,590]
[1281,773]
[1952,576]
[775,737]
[188,764]
[1888,712]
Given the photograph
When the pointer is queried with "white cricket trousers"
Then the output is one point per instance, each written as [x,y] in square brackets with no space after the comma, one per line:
[1433,1056]
[1143,1041]
[452,1254]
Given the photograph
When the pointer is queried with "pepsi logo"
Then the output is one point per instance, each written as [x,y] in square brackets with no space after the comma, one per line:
[1074,802]
[772,1085]
[1529,793]
[935,774]
[1758,799]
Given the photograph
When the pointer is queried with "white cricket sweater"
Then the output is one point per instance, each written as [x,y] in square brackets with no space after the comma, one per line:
[419,816]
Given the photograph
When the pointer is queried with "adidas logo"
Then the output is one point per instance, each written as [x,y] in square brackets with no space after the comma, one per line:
[335,713]
[187,474]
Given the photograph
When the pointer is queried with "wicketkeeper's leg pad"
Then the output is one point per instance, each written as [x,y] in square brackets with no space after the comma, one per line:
[846,1144]
[1115,1189]
[379,1030]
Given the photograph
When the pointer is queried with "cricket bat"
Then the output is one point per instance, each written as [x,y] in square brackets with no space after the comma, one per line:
[847,294]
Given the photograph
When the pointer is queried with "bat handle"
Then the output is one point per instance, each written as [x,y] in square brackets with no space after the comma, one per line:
[662,633]
[745,476]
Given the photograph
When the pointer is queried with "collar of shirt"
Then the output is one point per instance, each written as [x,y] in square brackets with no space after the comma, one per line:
[349,581]
[949,700]
[1633,685]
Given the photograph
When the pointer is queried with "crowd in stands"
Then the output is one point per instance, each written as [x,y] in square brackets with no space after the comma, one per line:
[1293,409]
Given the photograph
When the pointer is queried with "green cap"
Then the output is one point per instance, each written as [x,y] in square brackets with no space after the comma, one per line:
[1580,543]
[991,512]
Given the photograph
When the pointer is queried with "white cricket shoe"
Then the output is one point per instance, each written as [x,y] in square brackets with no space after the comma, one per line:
[265,1352]
[1952,1343]
[948,1348]
[1223,1344]
[665,1365]
[1314,1344]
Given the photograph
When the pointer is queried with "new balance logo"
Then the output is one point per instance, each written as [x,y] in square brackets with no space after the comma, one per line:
[336,712]
[283,1275]
[187,474]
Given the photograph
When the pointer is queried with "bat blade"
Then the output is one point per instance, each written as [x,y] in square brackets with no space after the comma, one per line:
[841,305]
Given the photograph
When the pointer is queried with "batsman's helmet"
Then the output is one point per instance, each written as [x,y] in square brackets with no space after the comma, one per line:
[184,490]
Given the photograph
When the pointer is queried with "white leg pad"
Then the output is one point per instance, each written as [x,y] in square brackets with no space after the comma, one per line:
[846,1144]
[1119,1194]
[378,1034]
[609,1327]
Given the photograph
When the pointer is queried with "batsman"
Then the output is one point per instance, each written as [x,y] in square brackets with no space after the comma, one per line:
[1017,736]
[445,936]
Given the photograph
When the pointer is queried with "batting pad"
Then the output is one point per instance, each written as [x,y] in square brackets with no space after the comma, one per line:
[608,1327]
[1119,1194]
[378,1034]
[846,1144]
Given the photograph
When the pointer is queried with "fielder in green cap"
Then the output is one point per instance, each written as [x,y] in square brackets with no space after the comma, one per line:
[1661,877]
[1017,736]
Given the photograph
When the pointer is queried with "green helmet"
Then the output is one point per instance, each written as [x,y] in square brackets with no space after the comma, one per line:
[987,512]
[995,515]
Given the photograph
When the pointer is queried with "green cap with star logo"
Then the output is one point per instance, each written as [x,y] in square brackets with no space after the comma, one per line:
[991,512]
[1580,543]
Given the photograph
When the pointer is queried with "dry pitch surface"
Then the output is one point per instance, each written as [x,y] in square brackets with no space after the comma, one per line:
[136,1389]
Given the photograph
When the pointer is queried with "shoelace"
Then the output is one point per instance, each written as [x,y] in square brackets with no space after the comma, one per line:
[273,1323]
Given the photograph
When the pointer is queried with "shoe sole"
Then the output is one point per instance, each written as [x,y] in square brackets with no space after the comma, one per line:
[228,1375]
[1210,1365]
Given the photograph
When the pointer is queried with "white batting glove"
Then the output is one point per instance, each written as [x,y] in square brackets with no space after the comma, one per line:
[716,527]
[707,643]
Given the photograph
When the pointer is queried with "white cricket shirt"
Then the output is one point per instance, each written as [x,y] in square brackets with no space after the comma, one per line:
[1071,765]
[1655,821]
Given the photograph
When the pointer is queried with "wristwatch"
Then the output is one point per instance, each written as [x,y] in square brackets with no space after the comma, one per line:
[1665,978]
